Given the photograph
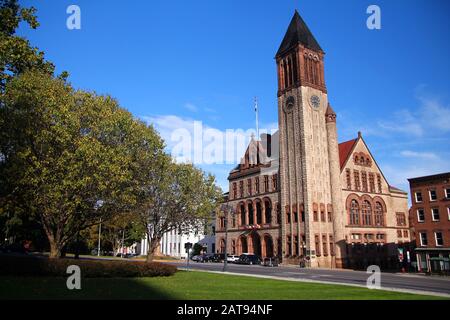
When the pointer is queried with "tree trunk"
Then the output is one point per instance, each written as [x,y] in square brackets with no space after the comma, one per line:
[55,249]
[154,243]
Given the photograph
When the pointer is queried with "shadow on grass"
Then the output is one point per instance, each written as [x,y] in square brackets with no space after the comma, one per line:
[43,288]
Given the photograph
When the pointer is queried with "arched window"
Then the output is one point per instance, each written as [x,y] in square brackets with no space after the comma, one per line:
[222,246]
[233,246]
[379,220]
[354,213]
[366,213]
[242,210]
[268,211]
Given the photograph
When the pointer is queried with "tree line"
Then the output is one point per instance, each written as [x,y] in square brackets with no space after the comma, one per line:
[70,158]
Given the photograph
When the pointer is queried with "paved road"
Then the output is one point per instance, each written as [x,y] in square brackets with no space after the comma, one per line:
[432,284]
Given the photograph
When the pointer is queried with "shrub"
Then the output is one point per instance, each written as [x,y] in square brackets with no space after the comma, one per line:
[41,266]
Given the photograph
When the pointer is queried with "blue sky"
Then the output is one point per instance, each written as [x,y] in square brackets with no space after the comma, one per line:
[172,62]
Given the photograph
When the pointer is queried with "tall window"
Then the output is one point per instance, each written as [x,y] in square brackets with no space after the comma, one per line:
[289,245]
[379,183]
[354,213]
[233,246]
[288,216]
[330,216]
[274,182]
[356,178]
[418,196]
[241,188]
[433,195]
[366,211]
[322,216]
[439,239]
[423,238]
[401,219]
[435,214]
[257,185]
[266,183]
[315,216]
[378,214]
[234,190]
[324,245]
[349,179]
[420,215]
[371,182]
[331,241]
[249,187]
[364,180]
[447,192]
[317,242]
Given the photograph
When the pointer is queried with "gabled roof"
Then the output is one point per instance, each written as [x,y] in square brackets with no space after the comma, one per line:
[345,148]
[298,32]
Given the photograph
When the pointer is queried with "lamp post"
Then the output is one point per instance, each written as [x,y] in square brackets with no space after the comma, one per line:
[226,208]
[99,237]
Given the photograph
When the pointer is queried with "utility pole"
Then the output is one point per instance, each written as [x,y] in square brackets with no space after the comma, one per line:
[99,236]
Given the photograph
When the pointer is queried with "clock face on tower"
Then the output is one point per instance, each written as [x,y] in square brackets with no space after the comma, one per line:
[315,101]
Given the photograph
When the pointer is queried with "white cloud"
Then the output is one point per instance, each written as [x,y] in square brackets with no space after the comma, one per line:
[422,155]
[191,107]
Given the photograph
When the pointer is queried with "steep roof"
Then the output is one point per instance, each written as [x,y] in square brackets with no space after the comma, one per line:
[298,32]
[345,148]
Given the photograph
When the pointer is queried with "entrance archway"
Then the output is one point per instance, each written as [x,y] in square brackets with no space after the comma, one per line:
[243,246]
[256,243]
[268,244]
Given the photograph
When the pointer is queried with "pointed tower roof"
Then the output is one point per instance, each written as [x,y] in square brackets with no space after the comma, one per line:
[330,111]
[298,32]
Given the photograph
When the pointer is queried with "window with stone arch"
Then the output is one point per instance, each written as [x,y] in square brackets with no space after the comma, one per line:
[366,211]
[354,212]
[378,214]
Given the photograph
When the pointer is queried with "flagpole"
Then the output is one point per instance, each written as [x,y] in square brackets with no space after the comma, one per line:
[256,112]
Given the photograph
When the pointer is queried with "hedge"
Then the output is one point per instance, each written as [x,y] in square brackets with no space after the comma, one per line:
[42,266]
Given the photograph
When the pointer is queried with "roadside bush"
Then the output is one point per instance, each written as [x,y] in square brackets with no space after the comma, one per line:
[42,266]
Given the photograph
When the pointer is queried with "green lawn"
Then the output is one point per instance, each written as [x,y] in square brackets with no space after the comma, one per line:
[187,285]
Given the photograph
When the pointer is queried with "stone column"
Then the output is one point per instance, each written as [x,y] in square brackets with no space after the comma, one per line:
[263,212]
[254,212]
[338,213]
[246,214]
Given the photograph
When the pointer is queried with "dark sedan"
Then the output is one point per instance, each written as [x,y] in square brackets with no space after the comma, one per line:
[249,259]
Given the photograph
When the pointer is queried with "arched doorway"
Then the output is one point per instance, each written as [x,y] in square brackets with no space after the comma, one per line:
[256,243]
[268,244]
[243,244]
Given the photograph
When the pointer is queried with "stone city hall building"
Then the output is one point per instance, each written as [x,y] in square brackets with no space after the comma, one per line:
[298,193]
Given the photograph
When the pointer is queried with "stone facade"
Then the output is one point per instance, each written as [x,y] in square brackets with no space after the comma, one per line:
[294,202]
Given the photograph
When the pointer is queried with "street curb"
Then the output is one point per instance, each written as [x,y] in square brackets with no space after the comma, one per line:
[411,291]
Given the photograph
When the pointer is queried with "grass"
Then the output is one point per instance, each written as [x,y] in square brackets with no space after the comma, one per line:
[189,285]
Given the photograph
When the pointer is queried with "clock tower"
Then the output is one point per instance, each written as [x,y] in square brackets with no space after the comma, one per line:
[311,197]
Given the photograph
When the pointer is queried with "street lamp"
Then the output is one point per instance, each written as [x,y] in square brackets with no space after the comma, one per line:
[226,208]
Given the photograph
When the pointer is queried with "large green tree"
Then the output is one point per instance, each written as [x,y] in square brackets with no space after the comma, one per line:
[67,155]
[174,197]
[16,53]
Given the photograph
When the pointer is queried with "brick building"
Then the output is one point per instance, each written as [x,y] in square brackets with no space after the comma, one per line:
[298,194]
[430,221]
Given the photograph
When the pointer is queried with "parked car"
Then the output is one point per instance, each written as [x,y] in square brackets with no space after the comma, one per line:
[232,258]
[208,257]
[218,257]
[196,258]
[271,262]
[248,258]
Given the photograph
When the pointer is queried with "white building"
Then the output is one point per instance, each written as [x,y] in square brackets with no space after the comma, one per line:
[172,243]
